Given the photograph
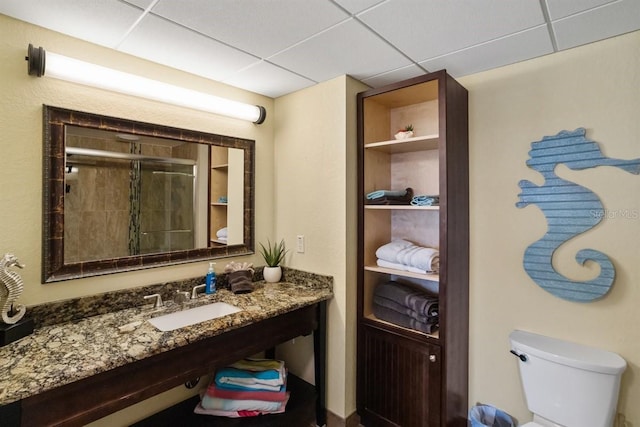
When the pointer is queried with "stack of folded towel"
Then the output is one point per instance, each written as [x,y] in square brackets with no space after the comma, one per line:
[406,256]
[405,306]
[425,200]
[221,235]
[389,197]
[240,277]
[246,388]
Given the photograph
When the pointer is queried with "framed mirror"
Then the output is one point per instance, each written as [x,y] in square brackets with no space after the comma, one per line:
[122,195]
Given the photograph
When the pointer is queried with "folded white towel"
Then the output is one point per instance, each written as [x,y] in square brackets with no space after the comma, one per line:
[222,232]
[396,266]
[389,264]
[406,253]
[389,252]
[419,257]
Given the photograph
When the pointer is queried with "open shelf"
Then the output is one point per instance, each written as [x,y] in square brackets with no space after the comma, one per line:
[407,145]
[300,411]
[424,276]
[403,207]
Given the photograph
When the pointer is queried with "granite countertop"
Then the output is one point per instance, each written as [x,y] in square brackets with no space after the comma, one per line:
[55,355]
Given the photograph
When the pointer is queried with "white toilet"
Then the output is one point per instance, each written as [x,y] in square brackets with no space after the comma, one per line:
[567,384]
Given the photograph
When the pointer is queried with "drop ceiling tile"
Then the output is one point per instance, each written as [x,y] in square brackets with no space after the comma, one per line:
[259,27]
[348,48]
[424,29]
[268,79]
[506,50]
[143,4]
[164,42]
[103,22]
[394,76]
[562,8]
[357,6]
[596,24]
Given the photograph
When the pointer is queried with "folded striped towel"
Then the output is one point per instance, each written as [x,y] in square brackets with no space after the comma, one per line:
[200,409]
[399,308]
[397,266]
[270,379]
[391,316]
[406,253]
[420,302]
[209,402]
[221,392]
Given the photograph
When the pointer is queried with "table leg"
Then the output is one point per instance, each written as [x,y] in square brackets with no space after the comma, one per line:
[320,364]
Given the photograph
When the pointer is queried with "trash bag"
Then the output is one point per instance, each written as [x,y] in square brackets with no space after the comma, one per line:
[488,416]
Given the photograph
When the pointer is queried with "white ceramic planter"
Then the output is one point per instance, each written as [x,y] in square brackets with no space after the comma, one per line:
[272,274]
[403,134]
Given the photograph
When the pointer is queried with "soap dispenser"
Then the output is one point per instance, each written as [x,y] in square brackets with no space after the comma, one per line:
[210,287]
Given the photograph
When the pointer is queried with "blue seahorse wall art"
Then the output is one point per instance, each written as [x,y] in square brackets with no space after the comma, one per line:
[570,209]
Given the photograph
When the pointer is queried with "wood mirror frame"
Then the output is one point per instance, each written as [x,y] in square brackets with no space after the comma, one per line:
[54,268]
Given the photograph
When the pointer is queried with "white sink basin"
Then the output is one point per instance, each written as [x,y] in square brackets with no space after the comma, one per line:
[180,319]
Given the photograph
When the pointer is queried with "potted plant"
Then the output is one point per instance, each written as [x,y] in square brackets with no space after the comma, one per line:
[273,255]
[405,133]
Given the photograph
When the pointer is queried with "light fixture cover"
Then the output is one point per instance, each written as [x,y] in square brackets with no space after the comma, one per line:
[75,71]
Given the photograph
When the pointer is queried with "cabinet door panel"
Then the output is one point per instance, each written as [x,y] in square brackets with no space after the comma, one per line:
[401,381]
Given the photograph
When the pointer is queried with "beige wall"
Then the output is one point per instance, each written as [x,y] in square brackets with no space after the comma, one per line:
[305,184]
[596,87]
[21,142]
[315,186]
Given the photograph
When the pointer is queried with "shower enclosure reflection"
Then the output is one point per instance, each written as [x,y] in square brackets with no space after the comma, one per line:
[135,195]
[128,195]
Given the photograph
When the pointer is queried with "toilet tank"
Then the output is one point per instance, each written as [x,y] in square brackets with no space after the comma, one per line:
[569,384]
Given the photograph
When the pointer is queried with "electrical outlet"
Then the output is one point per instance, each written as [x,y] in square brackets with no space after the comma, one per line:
[300,243]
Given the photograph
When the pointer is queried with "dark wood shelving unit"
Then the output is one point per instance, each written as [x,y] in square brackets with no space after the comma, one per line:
[405,377]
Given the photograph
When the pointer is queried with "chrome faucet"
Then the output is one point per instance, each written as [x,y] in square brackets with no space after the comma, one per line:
[158,300]
[194,291]
[181,296]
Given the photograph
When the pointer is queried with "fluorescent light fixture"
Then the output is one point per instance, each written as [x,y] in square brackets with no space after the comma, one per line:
[75,71]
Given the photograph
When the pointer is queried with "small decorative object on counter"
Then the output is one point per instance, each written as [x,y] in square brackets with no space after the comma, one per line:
[273,255]
[13,326]
[240,275]
[405,133]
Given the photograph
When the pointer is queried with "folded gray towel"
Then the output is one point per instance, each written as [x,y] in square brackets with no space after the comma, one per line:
[388,315]
[392,305]
[420,302]
[240,282]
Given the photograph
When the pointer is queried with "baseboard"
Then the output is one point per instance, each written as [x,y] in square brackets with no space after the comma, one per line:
[334,420]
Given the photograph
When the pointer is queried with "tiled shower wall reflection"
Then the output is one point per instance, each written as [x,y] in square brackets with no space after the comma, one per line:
[98,212]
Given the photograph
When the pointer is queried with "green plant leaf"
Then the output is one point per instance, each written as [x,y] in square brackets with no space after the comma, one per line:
[273,254]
